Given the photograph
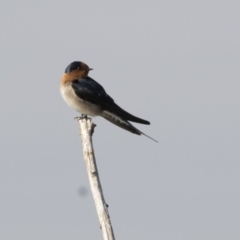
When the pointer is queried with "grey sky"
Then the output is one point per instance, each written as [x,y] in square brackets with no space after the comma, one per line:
[174,63]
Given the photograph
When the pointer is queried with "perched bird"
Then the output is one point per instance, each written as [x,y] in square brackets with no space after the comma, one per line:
[88,97]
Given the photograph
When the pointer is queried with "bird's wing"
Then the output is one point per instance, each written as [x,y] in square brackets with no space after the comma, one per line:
[91,91]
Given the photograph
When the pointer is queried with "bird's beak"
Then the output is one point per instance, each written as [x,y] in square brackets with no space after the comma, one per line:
[90,69]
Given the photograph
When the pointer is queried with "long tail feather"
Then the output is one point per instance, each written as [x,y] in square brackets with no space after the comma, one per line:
[124,124]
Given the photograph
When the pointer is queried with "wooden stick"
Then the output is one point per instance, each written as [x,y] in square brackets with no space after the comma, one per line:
[86,131]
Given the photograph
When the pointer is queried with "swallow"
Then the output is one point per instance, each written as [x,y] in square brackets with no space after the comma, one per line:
[88,97]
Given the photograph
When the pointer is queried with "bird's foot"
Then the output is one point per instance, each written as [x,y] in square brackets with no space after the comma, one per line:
[83,116]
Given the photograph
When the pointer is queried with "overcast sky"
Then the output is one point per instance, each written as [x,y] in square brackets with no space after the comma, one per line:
[174,63]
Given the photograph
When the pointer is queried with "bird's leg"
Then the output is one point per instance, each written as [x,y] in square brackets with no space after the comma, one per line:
[83,116]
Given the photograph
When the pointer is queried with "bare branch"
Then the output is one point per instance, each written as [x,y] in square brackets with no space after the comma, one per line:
[86,131]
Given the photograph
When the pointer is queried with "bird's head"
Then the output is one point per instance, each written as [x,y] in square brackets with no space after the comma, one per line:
[79,69]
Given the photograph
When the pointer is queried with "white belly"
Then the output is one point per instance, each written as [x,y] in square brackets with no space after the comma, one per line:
[79,105]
